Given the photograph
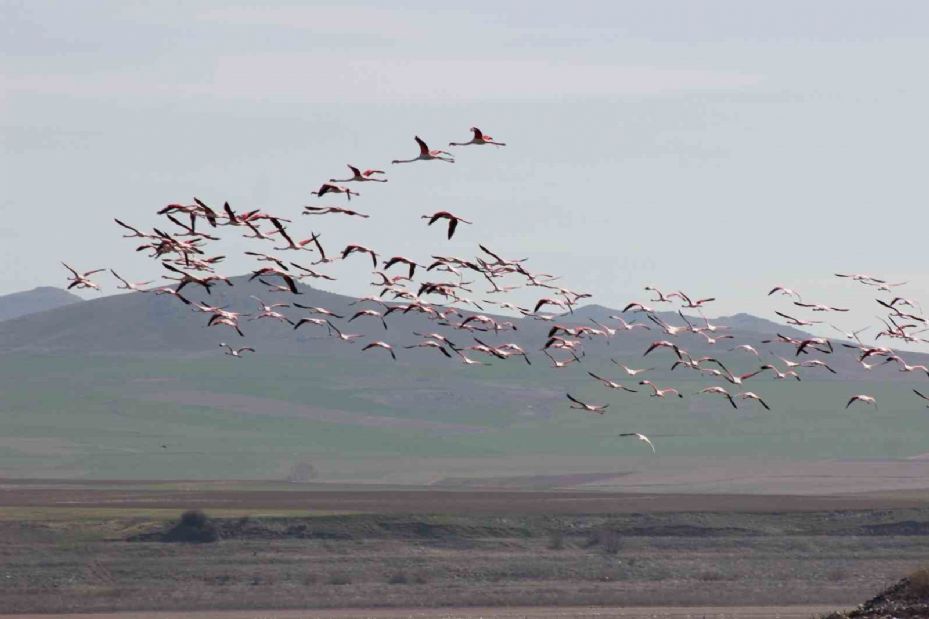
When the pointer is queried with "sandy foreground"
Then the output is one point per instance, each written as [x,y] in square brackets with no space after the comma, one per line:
[657,612]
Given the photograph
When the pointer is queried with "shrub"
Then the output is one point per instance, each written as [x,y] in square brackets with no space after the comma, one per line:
[918,585]
[195,527]
[397,578]
[339,578]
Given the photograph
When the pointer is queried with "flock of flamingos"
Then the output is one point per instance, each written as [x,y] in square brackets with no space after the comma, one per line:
[442,296]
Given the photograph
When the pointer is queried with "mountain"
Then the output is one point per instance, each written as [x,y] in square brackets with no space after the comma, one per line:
[33,301]
[146,324]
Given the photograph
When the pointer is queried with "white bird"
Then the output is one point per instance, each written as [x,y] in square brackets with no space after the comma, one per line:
[640,437]
[235,352]
[631,371]
[867,399]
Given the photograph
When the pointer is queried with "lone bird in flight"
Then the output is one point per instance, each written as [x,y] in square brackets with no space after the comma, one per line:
[479,138]
[427,155]
[640,437]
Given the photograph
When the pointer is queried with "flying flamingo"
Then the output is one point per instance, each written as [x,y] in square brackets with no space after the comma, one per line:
[371,313]
[630,371]
[325,210]
[426,155]
[452,220]
[640,437]
[590,408]
[80,281]
[751,395]
[611,384]
[720,391]
[235,352]
[384,345]
[660,393]
[360,177]
[135,287]
[361,249]
[330,188]
[478,139]
[867,399]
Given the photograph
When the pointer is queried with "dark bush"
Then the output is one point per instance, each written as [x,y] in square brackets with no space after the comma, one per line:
[195,527]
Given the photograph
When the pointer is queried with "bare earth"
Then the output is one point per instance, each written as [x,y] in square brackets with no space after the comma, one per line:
[97,547]
[695,612]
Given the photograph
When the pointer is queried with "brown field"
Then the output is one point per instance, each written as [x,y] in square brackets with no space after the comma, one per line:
[92,547]
[529,612]
[247,497]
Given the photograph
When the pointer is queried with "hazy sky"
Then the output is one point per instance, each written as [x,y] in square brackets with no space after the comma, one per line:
[719,147]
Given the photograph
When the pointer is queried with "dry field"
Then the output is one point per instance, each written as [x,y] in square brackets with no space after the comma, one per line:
[650,612]
[68,547]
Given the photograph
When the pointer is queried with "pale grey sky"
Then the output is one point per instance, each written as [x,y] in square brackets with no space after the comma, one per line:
[716,146]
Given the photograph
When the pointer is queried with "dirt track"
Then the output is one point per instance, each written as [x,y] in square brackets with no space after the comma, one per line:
[707,612]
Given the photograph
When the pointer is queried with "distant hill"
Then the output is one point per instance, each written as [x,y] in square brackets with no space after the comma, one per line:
[145,324]
[33,301]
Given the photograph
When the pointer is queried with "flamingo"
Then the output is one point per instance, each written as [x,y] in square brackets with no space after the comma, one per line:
[611,384]
[660,393]
[867,399]
[269,311]
[630,326]
[371,313]
[664,344]
[360,177]
[384,345]
[590,408]
[134,233]
[819,364]
[235,352]
[81,281]
[135,287]
[797,322]
[330,188]
[746,348]
[720,391]
[784,291]
[630,371]
[778,374]
[479,139]
[751,395]
[640,437]
[427,155]
[172,292]
[661,298]
[318,310]
[562,364]
[361,249]
[431,344]
[452,220]
[819,307]
[401,260]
